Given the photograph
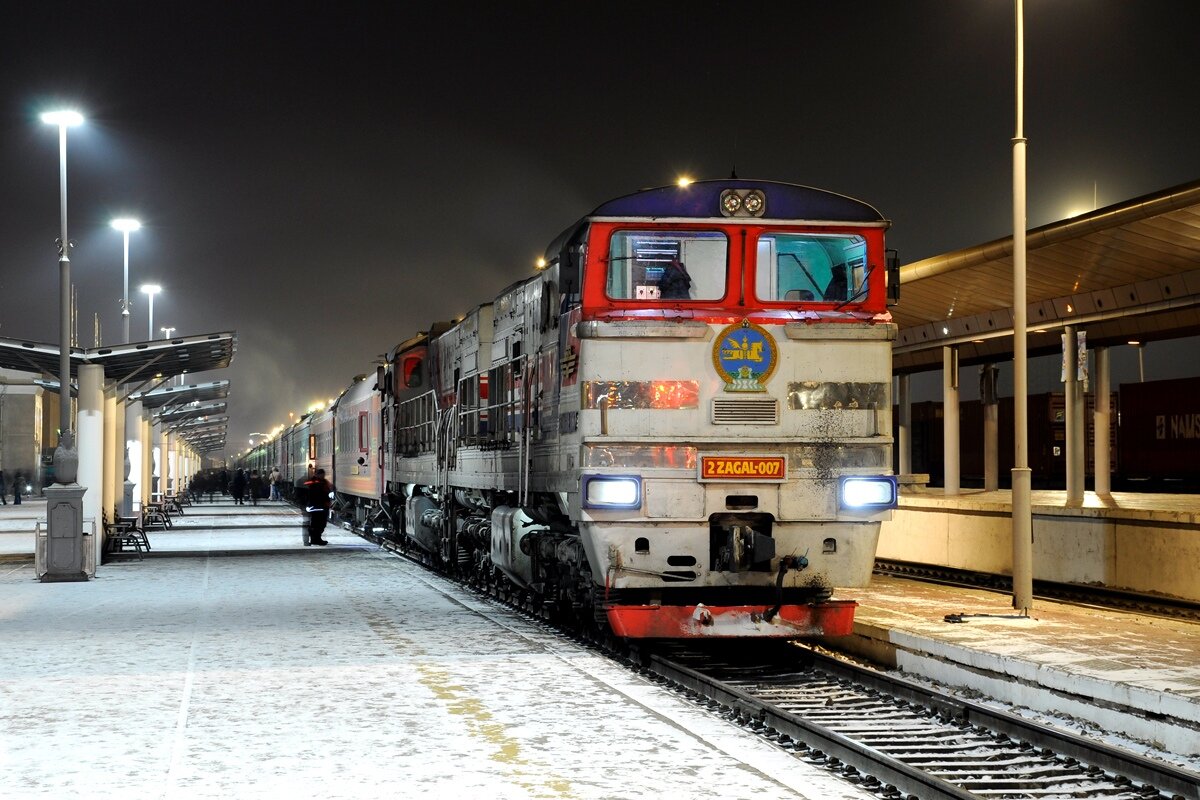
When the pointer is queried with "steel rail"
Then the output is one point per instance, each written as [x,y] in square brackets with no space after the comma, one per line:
[1177,781]
[906,779]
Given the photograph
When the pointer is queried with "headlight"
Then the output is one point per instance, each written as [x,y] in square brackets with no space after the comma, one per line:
[612,491]
[874,493]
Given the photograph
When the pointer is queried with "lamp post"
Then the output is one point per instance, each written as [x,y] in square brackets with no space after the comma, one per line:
[151,289]
[66,441]
[126,226]
[1022,475]
[167,332]
[62,556]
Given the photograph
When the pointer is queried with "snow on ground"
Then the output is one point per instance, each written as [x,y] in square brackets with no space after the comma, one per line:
[339,672]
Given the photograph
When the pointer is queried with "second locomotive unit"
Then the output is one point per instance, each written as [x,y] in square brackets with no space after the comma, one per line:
[680,426]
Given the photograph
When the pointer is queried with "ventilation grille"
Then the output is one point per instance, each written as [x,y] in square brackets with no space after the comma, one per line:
[745,411]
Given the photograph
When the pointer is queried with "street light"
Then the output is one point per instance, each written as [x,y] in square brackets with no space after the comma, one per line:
[126,226]
[66,441]
[1022,475]
[151,289]
[167,332]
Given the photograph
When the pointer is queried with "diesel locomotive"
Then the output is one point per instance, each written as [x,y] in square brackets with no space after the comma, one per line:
[678,426]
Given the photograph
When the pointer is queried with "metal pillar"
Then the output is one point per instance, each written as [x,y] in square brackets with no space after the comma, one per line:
[1101,421]
[1073,401]
[164,461]
[145,487]
[988,396]
[950,427]
[904,423]
[91,444]
[112,472]
[1022,476]
[1079,463]
[136,451]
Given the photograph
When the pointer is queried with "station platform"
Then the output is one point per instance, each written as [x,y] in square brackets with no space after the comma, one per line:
[235,662]
[1146,543]
[1132,679]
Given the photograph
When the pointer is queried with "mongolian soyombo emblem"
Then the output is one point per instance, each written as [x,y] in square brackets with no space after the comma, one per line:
[745,355]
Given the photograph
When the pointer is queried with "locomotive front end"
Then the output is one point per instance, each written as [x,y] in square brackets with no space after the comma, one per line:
[731,363]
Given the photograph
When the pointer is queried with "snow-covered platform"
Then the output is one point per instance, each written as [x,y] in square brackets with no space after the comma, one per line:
[1105,671]
[247,665]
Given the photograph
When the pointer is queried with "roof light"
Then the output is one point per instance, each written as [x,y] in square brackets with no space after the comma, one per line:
[684,181]
[743,203]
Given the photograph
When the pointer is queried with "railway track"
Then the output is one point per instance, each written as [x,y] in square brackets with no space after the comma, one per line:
[891,736]
[901,739]
[1046,590]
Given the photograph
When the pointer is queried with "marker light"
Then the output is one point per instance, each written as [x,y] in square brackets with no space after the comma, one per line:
[743,203]
[874,493]
[612,491]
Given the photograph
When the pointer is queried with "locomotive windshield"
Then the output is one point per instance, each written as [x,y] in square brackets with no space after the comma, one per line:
[667,265]
[799,267]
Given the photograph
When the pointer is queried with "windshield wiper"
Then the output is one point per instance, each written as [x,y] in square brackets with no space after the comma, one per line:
[860,294]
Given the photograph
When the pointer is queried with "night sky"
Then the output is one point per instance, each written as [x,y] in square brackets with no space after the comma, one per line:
[327,178]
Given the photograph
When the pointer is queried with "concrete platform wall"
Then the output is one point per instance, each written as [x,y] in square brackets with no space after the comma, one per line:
[1146,555]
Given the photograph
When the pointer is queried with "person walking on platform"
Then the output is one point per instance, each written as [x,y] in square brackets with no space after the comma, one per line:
[18,480]
[237,488]
[317,503]
[3,489]
[276,477]
[256,487]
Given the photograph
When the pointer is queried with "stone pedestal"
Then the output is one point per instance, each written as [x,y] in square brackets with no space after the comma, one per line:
[127,499]
[64,521]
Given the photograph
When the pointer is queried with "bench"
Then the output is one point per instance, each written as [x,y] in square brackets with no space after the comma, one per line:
[155,515]
[123,533]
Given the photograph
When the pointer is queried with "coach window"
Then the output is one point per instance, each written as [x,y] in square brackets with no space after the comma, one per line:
[667,266]
[809,267]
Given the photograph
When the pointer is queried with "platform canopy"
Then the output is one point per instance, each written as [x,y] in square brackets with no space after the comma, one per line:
[1127,272]
[205,434]
[189,411]
[174,398]
[192,426]
[127,363]
[208,443]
